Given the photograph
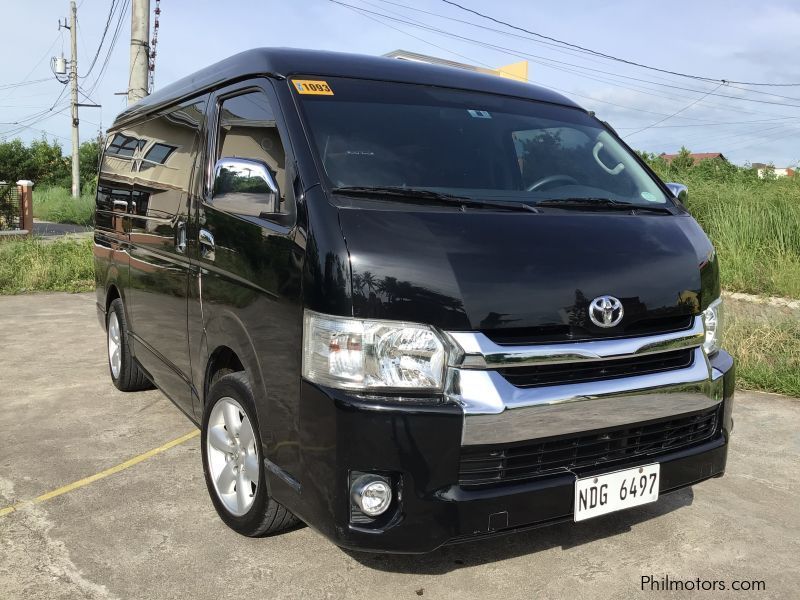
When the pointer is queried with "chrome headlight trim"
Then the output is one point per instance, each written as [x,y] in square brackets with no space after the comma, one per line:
[713,323]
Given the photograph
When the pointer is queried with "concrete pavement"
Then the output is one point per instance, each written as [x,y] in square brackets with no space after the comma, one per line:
[150,531]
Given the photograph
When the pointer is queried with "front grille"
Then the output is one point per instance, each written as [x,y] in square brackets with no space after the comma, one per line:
[493,465]
[597,370]
[582,329]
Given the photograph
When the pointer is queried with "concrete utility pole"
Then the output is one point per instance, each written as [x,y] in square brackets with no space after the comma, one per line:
[73,80]
[140,50]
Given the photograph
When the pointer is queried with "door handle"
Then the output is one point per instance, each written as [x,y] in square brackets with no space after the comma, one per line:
[207,244]
[180,237]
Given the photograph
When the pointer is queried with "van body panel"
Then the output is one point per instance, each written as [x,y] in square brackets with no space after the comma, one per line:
[162,168]
[451,269]
[436,510]
[250,290]
[111,228]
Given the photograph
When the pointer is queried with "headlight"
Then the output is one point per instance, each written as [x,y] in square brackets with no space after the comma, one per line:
[371,355]
[713,321]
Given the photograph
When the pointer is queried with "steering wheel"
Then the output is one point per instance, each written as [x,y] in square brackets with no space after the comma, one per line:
[550,179]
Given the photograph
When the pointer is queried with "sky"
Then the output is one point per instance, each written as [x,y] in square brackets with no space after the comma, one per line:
[654,111]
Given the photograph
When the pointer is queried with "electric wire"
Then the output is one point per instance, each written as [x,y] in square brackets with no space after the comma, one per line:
[612,57]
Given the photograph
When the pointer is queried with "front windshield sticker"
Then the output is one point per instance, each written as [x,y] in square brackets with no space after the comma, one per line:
[479,114]
[650,197]
[318,88]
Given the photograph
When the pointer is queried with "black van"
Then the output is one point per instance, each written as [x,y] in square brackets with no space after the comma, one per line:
[407,304]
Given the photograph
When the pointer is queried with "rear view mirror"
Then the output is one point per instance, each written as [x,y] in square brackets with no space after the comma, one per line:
[245,187]
[680,191]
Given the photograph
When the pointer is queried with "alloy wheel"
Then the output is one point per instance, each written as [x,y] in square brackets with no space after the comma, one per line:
[232,456]
[114,345]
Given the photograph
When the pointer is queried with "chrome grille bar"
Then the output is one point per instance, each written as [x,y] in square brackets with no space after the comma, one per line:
[479,352]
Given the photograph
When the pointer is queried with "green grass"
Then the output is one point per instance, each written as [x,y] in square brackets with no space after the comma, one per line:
[29,265]
[755,227]
[56,204]
[767,354]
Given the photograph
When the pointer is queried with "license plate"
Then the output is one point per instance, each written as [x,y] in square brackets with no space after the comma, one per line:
[602,494]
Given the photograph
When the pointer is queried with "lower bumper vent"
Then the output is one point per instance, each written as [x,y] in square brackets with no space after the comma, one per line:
[492,465]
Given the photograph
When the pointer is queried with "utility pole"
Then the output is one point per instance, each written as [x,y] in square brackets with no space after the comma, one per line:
[140,50]
[73,79]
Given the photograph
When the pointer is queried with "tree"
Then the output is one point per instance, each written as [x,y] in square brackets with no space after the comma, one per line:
[89,155]
[47,163]
[683,161]
[44,163]
[15,159]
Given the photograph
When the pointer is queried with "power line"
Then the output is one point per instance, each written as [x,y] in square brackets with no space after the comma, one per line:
[567,51]
[728,124]
[19,84]
[115,36]
[611,57]
[111,10]
[25,79]
[362,12]
[677,112]
[536,58]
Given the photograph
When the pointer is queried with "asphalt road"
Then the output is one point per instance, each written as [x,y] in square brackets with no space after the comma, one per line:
[149,531]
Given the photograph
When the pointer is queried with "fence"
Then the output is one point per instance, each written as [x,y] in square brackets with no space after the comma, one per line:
[9,206]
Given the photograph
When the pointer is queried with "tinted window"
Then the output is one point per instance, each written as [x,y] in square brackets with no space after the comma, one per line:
[247,130]
[382,134]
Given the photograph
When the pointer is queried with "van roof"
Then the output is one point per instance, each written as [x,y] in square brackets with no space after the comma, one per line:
[284,62]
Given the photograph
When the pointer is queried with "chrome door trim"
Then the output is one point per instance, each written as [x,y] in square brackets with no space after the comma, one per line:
[479,352]
[497,412]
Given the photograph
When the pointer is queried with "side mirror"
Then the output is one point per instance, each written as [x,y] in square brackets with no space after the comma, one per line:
[680,191]
[245,187]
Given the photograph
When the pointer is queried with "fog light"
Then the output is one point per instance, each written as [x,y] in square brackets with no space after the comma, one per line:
[372,494]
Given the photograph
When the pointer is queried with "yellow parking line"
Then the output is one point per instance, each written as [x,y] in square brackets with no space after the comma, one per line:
[102,474]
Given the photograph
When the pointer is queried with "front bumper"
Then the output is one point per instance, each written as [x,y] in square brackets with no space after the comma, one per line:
[419,446]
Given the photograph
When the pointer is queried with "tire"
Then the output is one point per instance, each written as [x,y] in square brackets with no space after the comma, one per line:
[229,461]
[125,373]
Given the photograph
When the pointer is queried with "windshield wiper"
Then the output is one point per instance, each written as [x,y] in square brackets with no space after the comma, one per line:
[430,196]
[602,204]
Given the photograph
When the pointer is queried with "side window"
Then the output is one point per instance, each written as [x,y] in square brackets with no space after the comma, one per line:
[250,170]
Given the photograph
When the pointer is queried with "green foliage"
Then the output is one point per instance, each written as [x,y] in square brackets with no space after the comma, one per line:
[44,163]
[29,265]
[753,222]
[56,204]
[15,160]
[89,154]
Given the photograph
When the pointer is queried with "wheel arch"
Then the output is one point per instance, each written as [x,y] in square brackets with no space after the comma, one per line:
[227,339]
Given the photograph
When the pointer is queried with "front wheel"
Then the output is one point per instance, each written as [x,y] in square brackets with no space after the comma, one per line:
[232,462]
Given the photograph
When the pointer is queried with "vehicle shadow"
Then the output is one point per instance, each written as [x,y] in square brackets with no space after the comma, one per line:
[566,535]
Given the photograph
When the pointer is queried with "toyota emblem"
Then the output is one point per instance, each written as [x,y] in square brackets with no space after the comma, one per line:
[606,311]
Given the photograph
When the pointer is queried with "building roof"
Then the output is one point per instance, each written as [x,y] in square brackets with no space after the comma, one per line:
[284,62]
[697,156]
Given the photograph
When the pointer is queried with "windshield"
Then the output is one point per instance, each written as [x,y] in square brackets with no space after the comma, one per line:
[471,144]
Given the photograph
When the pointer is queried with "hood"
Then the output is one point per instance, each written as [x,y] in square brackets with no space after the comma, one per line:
[531,277]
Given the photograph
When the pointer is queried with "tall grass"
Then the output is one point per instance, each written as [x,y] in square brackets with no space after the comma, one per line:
[767,353]
[755,227]
[29,265]
[754,223]
[56,204]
